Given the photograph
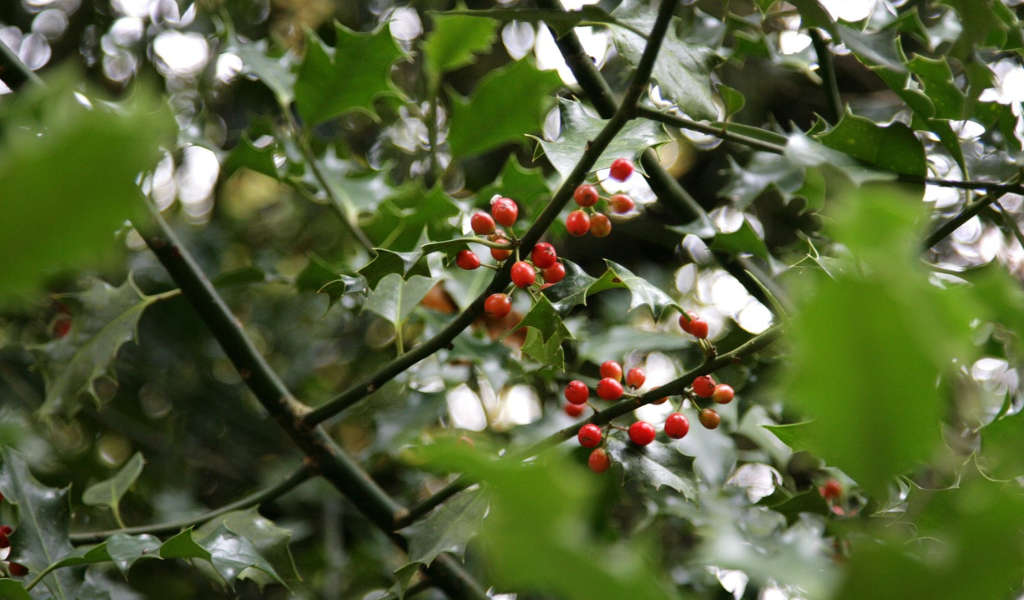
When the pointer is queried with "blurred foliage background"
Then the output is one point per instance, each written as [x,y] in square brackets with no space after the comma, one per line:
[278,160]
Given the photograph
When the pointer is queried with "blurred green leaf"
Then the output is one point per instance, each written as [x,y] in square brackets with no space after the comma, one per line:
[536,536]
[641,292]
[983,25]
[870,418]
[109,491]
[455,40]
[550,333]
[620,340]
[682,70]
[41,535]
[968,545]
[276,72]
[69,162]
[487,119]
[893,147]
[247,155]
[579,127]
[108,318]
[748,182]
[399,222]
[803,151]
[733,99]
[13,590]
[333,81]
[448,528]
[559,20]
[874,49]
[654,466]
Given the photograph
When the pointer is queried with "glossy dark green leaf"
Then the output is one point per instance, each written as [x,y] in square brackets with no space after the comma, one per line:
[642,292]
[269,540]
[108,319]
[748,182]
[231,554]
[579,127]
[387,262]
[803,151]
[333,81]
[682,70]
[733,100]
[41,535]
[544,319]
[85,555]
[545,351]
[654,466]
[183,546]
[126,550]
[315,275]
[571,291]
[813,14]
[448,528]
[69,162]
[400,221]
[874,49]
[742,241]
[455,40]
[487,120]
[109,491]
[13,590]
[893,147]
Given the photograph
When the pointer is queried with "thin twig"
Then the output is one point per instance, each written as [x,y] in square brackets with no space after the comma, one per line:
[828,74]
[969,211]
[300,476]
[718,132]
[13,71]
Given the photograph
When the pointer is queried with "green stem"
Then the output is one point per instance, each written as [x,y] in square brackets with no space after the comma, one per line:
[117,515]
[13,71]
[708,129]
[947,228]
[544,220]
[828,74]
[314,166]
[49,569]
[300,476]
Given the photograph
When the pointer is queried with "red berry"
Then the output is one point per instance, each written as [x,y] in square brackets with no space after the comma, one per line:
[576,392]
[17,569]
[60,328]
[621,203]
[505,211]
[497,306]
[589,435]
[577,223]
[482,223]
[709,418]
[467,259]
[831,490]
[523,274]
[642,433]
[5,529]
[497,253]
[599,461]
[723,394]
[677,426]
[636,377]
[704,386]
[621,169]
[609,389]
[684,323]
[586,195]
[1,497]
[699,328]
[554,273]
[610,368]
[4,542]
[600,226]
[544,255]
[573,410]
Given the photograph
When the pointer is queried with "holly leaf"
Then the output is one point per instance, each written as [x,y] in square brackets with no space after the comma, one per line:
[733,100]
[527,186]
[276,72]
[655,465]
[399,221]
[41,535]
[125,550]
[69,162]
[395,298]
[448,528]
[747,183]
[893,147]
[742,241]
[545,345]
[874,49]
[387,263]
[247,155]
[13,590]
[109,491]
[579,127]
[682,70]
[269,540]
[641,292]
[108,318]
[487,120]
[455,40]
[333,81]
[229,553]
[803,151]
[572,290]
[548,352]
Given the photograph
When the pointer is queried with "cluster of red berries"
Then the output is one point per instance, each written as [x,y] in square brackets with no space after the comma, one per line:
[586,218]
[543,258]
[15,569]
[693,325]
